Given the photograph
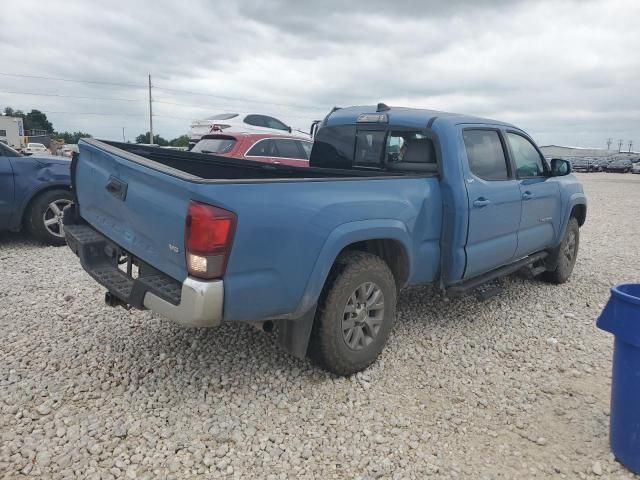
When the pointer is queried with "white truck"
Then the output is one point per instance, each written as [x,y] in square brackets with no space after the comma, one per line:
[11,131]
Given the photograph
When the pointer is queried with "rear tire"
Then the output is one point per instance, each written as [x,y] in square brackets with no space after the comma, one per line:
[566,252]
[43,219]
[355,315]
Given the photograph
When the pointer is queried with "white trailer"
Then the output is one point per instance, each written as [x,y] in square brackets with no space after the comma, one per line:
[11,131]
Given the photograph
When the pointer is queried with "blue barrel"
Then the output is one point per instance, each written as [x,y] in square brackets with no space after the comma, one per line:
[621,316]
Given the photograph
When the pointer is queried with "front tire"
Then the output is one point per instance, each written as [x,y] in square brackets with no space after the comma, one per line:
[355,314]
[566,252]
[43,219]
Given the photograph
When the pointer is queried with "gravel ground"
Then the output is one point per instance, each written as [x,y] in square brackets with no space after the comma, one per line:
[514,387]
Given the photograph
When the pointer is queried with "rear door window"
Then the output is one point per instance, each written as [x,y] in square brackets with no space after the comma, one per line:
[271,122]
[255,120]
[263,148]
[485,154]
[289,149]
[306,147]
[370,145]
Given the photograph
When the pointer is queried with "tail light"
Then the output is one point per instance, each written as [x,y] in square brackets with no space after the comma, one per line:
[208,238]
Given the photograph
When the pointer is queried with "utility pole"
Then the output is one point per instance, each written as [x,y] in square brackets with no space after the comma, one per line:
[619,145]
[630,145]
[151,114]
[609,140]
[123,139]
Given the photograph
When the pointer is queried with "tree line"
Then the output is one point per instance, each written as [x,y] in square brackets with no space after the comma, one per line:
[37,120]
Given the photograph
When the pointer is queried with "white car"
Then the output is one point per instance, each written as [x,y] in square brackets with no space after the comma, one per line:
[239,123]
[68,150]
[36,148]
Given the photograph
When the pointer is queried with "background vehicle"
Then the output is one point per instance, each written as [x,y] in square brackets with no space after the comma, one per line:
[635,168]
[33,192]
[586,165]
[36,148]
[269,148]
[393,197]
[600,164]
[619,166]
[67,150]
[580,165]
[239,122]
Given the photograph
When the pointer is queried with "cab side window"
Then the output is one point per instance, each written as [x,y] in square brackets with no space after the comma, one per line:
[528,161]
[485,154]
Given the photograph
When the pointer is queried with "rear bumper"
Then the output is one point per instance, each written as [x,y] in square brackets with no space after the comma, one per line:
[192,303]
[200,304]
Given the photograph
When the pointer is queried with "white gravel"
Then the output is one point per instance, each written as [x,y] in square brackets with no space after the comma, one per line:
[515,387]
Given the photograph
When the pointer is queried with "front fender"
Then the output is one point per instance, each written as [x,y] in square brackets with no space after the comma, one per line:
[577,198]
[343,236]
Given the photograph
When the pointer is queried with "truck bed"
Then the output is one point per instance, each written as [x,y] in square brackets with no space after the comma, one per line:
[292,222]
[200,166]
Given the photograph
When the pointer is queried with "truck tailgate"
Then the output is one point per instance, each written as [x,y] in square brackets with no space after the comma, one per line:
[140,209]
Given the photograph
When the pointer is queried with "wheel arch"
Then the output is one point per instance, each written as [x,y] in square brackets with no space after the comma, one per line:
[389,239]
[579,212]
[36,193]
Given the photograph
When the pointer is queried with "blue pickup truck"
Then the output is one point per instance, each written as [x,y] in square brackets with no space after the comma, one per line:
[393,197]
[34,190]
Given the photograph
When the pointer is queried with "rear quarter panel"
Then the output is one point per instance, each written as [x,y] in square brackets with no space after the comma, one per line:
[289,234]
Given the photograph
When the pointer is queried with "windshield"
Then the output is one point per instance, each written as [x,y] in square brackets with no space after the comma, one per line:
[223,116]
[214,145]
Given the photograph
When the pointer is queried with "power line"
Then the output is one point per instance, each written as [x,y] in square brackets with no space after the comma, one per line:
[134,85]
[115,114]
[98,113]
[72,96]
[189,92]
[222,107]
[97,82]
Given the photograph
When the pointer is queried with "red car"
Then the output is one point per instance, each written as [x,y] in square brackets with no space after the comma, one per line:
[260,147]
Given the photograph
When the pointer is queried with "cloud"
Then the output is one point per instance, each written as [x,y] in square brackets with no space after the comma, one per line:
[566,71]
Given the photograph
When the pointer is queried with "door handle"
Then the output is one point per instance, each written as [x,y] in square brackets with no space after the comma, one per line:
[481,202]
[527,195]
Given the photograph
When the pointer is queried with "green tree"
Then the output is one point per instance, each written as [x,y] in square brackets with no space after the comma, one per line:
[157,139]
[71,137]
[9,112]
[181,141]
[36,120]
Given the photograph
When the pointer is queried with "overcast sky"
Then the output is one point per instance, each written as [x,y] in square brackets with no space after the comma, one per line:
[567,72]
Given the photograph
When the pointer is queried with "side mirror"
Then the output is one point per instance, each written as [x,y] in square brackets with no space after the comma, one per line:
[290,130]
[560,167]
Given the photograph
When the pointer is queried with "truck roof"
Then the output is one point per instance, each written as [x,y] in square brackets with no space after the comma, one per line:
[404,116]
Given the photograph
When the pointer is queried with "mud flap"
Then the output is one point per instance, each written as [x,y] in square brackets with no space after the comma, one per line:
[294,335]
